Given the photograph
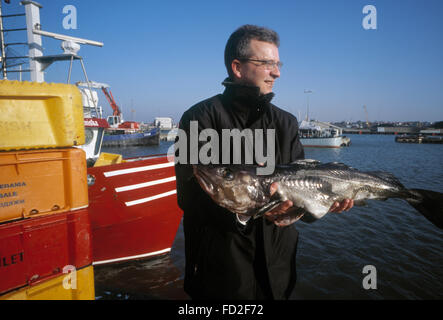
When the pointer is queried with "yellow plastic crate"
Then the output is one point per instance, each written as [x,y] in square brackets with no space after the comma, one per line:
[108,158]
[40,115]
[66,287]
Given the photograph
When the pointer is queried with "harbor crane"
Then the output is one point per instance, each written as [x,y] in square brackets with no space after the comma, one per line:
[116,120]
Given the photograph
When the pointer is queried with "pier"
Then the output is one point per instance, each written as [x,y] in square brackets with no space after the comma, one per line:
[418,139]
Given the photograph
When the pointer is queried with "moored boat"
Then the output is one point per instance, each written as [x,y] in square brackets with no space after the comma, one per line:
[132,202]
[319,142]
[321,135]
[148,138]
[118,132]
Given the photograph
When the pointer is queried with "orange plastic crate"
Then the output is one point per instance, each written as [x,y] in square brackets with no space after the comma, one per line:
[37,182]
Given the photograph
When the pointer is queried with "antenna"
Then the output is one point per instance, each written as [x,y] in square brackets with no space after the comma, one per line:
[70,45]
[67,38]
[366,113]
[132,109]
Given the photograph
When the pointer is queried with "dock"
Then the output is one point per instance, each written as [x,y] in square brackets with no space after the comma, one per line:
[168,134]
[419,139]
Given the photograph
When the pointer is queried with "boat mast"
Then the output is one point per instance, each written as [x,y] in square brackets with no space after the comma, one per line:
[307,104]
[32,10]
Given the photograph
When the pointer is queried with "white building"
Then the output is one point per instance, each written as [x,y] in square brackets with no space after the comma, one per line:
[163,123]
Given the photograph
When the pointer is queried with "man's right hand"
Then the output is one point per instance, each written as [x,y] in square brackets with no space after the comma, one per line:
[284,214]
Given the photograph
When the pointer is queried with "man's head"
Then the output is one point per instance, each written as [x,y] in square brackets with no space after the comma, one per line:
[251,57]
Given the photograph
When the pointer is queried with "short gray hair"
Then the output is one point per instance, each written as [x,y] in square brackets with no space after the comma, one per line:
[237,46]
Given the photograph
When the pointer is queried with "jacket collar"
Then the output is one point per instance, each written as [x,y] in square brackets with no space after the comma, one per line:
[245,98]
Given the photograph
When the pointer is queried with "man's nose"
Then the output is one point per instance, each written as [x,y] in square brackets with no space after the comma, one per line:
[275,72]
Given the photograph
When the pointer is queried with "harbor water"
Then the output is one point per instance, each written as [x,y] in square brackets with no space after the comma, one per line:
[385,250]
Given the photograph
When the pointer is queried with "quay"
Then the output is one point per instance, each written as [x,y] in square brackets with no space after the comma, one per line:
[168,134]
[418,139]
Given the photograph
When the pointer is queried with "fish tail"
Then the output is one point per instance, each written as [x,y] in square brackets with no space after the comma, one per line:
[428,203]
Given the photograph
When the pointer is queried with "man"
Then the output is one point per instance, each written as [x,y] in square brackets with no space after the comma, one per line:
[230,256]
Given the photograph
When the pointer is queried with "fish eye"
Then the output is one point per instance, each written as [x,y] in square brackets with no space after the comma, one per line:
[226,174]
[229,175]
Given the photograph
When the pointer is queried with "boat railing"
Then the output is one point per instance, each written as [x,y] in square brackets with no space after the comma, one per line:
[325,133]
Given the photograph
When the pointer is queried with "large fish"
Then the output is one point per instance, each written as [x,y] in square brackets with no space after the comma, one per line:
[312,187]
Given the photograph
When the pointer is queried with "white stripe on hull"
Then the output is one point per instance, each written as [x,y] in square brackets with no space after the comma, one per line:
[132,257]
[138,169]
[157,196]
[144,184]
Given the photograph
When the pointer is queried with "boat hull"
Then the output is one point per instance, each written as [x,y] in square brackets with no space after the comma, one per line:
[133,209]
[333,142]
[132,139]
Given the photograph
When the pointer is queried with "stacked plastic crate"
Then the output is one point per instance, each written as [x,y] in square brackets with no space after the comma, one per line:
[45,232]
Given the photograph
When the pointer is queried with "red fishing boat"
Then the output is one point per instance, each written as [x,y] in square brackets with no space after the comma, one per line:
[133,206]
[132,202]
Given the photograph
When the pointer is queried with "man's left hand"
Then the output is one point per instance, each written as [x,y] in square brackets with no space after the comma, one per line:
[339,207]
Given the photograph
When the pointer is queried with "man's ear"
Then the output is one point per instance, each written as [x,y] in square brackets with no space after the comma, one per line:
[236,68]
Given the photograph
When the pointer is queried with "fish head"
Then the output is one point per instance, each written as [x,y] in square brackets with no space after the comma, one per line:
[236,187]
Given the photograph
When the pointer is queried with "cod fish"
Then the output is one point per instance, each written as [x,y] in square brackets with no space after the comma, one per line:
[312,186]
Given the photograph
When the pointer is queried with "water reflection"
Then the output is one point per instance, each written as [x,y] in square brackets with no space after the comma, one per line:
[152,279]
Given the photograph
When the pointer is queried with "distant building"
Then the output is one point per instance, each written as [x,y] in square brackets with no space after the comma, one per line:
[397,130]
[163,123]
[432,131]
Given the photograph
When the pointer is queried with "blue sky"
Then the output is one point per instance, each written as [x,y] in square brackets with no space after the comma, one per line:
[161,57]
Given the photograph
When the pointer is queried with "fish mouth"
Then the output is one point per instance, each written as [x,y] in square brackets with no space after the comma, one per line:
[204,180]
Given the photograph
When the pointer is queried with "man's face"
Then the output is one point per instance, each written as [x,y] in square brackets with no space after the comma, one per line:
[256,73]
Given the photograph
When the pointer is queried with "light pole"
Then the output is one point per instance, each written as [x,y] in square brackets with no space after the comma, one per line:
[307,104]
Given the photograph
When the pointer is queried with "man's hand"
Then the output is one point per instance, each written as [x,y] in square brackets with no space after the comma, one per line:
[339,207]
[285,214]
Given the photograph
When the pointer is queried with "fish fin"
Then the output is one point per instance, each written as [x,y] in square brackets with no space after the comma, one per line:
[336,166]
[309,162]
[428,203]
[388,177]
[308,217]
[267,207]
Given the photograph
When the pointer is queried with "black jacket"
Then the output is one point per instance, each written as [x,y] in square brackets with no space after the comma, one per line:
[225,260]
